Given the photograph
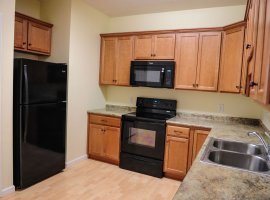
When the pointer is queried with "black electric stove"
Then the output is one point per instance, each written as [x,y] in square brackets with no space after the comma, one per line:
[143,136]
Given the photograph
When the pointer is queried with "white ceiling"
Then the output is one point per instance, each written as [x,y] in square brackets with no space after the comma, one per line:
[115,8]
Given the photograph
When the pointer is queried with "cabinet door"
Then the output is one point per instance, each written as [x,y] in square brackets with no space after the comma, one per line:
[253,36]
[164,46]
[39,38]
[20,35]
[112,143]
[176,156]
[124,57]
[262,65]
[96,143]
[187,45]
[143,47]
[208,61]
[108,60]
[199,138]
[231,61]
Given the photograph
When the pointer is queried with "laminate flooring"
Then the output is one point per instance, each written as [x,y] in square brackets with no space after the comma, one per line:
[94,180]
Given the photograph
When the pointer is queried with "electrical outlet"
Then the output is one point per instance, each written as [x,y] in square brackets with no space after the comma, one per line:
[221,108]
[131,100]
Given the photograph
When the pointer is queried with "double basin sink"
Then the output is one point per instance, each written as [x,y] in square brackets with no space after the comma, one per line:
[244,156]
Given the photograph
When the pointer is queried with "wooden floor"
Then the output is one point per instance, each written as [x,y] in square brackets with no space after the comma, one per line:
[95,180]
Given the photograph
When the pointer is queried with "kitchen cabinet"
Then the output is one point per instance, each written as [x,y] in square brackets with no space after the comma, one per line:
[176,152]
[259,75]
[182,146]
[159,46]
[197,60]
[32,35]
[199,137]
[231,59]
[116,55]
[104,138]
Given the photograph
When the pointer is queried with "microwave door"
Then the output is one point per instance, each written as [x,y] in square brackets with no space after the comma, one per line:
[150,76]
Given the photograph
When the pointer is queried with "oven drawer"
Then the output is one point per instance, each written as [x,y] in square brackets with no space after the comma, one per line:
[178,131]
[104,120]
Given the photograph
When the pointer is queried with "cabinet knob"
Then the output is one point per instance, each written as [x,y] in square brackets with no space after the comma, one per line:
[24,43]
[154,55]
[194,85]
[238,87]
[29,44]
[197,85]
[248,46]
[252,84]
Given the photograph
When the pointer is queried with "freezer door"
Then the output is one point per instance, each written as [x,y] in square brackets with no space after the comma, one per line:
[42,139]
[41,82]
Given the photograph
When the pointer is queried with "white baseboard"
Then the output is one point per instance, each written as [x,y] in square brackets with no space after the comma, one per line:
[76,160]
[7,190]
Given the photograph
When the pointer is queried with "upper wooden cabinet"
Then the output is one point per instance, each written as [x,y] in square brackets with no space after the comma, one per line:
[197,60]
[32,35]
[116,55]
[231,60]
[20,36]
[256,68]
[153,47]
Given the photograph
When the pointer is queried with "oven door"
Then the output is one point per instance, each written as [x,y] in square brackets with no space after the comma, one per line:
[143,138]
[150,76]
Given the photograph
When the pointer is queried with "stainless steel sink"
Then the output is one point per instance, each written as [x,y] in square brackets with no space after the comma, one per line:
[244,156]
[238,147]
[243,161]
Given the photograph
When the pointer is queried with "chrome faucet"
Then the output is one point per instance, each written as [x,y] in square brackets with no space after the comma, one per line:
[265,144]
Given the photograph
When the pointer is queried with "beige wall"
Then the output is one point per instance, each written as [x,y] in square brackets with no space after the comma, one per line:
[189,101]
[206,102]
[28,7]
[57,12]
[208,17]
[84,92]
[7,8]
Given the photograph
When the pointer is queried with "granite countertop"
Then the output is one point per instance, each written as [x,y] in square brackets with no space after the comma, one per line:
[112,110]
[206,181]
[211,182]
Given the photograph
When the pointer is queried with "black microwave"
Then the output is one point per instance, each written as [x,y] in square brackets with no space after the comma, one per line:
[158,74]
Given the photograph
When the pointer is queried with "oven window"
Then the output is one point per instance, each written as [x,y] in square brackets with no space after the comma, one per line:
[142,137]
[147,76]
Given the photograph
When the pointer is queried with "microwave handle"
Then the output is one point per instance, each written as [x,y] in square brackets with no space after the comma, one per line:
[162,75]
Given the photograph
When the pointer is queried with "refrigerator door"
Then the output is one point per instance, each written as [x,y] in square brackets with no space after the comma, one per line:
[40,143]
[40,82]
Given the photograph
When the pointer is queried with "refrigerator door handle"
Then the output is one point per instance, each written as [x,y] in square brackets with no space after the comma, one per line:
[25,131]
[26,83]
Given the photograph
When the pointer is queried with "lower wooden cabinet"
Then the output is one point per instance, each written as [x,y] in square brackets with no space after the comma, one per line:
[176,152]
[182,147]
[199,137]
[104,138]
[176,156]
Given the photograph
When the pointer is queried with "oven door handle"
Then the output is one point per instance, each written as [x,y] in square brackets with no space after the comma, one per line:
[130,136]
[138,124]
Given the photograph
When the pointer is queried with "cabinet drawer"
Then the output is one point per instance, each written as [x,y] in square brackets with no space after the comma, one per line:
[178,131]
[104,120]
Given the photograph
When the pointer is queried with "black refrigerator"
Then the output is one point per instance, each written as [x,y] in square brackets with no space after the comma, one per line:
[39,120]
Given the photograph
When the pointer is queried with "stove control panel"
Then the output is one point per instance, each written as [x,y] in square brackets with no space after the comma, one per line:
[164,104]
